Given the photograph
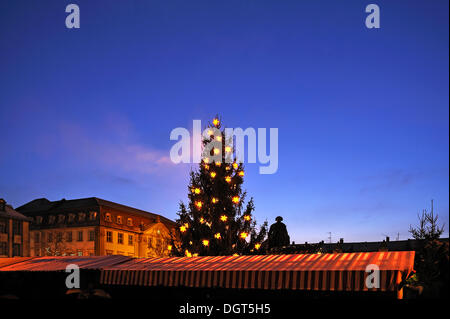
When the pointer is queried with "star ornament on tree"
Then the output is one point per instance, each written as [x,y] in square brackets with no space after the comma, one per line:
[217,220]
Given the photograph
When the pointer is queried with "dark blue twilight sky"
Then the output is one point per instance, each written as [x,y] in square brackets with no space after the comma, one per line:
[363,115]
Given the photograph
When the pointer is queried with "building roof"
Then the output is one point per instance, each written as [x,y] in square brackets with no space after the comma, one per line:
[43,206]
[7,211]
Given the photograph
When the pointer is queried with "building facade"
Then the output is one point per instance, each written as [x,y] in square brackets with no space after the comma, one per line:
[95,227]
[14,232]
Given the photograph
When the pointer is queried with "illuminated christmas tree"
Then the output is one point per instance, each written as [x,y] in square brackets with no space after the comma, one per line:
[216,220]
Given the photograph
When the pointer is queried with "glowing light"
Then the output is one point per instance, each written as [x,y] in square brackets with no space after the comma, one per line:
[190,243]
[206,166]
[241,173]
[219,138]
[199,204]
[247,217]
[228,179]
[206,160]
[205,242]
[214,200]
[235,199]
[195,255]
[187,253]
[213,174]
[182,229]
[186,225]
[169,247]
[216,122]
[257,246]
[244,235]
[197,191]
[202,220]
[210,132]
[227,168]
[224,218]
[235,165]
[227,149]
[235,254]
[217,236]
[218,163]
[216,151]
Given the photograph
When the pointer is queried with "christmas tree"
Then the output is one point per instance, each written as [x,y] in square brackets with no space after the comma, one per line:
[216,220]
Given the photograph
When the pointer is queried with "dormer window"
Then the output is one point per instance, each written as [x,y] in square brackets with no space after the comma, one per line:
[92,215]
[81,217]
[51,219]
[119,219]
[129,222]
[108,217]
[38,220]
[71,218]
[61,219]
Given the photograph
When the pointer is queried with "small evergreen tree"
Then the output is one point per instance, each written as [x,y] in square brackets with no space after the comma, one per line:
[216,221]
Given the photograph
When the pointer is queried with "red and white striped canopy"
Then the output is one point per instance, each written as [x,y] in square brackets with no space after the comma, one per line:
[335,272]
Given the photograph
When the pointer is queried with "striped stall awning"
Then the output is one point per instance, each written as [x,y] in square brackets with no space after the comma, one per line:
[59,263]
[333,272]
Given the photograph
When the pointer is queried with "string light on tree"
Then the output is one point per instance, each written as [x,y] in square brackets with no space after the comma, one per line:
[218,203]
[257,246]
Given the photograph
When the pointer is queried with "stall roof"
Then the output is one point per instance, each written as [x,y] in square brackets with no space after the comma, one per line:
[340,271]
[59,263]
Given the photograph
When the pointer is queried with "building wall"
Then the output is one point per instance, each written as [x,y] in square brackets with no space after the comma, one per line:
[48,244]
[14,243]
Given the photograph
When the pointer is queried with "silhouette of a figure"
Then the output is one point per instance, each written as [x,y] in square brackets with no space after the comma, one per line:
[278,235]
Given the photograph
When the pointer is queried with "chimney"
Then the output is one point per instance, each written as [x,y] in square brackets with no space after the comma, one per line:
[341,241]
[387,239]
[2,204]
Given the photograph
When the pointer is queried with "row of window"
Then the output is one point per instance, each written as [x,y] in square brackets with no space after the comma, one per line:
[17,226]
[59,236]
[120,238]
[4,249]
[70,218]
[119,220]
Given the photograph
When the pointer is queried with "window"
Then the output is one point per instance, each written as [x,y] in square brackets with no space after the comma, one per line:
[38,220]
[93,215]
[50,237]
[81,217]
[61,219]
[130,222]
[120,238]
[119,219]
[130,240]
[59,237]
[51,219]
[91,235]
[109,237]
[109,252]
[71,218]
[3,249]
[80,253]
[69,236]
[80,235]
[37,238]
[17,249]
[108,217]
[17,227]
[3,226]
